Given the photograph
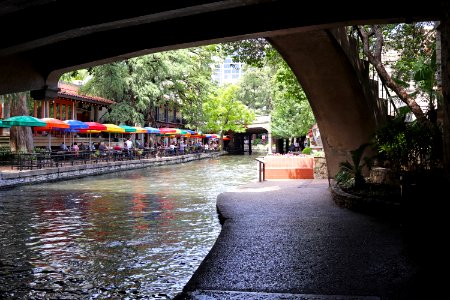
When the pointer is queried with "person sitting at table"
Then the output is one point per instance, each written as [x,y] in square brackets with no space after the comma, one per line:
[103,149]
[117,147]
[63,147]
[75,148]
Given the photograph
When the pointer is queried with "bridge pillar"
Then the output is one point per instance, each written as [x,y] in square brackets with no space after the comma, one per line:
[445,52]
[340,106]
[45,96]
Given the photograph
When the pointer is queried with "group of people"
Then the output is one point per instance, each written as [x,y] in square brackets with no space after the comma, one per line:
[76,148]
[174,147]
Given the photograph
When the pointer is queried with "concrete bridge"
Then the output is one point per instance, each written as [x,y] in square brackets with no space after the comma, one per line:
[42,39]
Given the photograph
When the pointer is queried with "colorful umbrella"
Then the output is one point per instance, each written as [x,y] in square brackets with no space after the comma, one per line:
[50,124]
[23,121]
[140,129]
[93,128]
[166,130]
[127,128]
[75,126]
[152,130]
[112,128]
[4,125]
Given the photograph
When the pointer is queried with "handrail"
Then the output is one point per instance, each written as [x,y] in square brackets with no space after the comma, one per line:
[261,169]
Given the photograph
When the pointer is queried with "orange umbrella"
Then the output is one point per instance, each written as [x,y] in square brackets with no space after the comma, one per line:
[52,123]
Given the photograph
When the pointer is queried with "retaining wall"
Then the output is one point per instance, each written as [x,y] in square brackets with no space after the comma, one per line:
[15,178]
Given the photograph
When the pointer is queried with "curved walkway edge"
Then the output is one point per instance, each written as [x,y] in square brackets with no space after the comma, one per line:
[13,178]
[289,240]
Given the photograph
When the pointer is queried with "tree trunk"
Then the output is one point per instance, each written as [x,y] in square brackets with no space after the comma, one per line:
[374,58]
[21,138]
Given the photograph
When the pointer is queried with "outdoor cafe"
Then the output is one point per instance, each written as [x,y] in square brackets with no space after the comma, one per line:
[55,142]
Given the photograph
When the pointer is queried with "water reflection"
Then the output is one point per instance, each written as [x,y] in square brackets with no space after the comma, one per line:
[136,234]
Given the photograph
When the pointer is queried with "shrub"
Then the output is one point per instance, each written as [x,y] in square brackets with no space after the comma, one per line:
[307,150]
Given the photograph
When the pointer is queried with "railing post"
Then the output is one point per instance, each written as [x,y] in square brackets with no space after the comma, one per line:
[261,169]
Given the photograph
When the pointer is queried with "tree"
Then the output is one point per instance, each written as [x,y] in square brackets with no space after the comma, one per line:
[291,113]
[416,52]
[224,112]
[21,138]
[255,89]
[140,85]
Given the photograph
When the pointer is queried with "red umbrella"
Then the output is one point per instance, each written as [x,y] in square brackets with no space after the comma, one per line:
[166,130]
[93,126]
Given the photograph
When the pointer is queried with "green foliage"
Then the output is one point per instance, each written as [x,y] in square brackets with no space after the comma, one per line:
[307,150]
[77,75]
[319,154]
[180,79]
[290,110]
[412,146]
[224,112]
[350,173]
[255,89]
[253,52]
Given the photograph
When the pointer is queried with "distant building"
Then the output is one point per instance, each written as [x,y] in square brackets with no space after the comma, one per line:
[228,71]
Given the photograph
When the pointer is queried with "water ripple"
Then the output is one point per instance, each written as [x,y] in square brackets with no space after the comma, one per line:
[129,235]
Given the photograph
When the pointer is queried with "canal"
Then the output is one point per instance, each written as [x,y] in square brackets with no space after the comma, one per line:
[138,234]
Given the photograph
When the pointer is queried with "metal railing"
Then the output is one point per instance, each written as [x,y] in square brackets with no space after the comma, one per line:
[261,169]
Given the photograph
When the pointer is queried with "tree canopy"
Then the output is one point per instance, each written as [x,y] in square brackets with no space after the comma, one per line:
[276,86]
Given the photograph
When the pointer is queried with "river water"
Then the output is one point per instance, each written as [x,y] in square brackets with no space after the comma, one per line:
[138,234]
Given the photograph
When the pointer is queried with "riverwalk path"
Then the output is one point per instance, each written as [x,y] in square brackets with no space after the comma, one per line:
[289,240]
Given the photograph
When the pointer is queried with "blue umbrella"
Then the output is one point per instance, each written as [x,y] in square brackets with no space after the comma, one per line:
[75,126]
[152,129]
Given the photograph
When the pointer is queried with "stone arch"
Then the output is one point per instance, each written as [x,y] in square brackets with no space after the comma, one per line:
[342,110]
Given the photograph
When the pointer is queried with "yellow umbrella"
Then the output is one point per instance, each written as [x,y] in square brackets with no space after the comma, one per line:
[140,129]
[112,128]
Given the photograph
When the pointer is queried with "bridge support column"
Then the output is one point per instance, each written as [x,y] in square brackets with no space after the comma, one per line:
[343,114]
[445,50]
[45,95]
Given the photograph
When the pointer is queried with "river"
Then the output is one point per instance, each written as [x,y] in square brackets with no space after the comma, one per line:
[138,234]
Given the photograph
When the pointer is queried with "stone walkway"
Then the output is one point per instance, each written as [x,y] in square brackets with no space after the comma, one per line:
[289,240]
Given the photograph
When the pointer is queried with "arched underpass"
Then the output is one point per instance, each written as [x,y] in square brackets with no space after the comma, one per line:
[35,49]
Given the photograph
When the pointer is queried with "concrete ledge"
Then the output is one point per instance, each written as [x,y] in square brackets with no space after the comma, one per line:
[364,204]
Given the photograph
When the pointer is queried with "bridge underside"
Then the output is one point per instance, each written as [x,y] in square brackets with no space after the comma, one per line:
[42,39]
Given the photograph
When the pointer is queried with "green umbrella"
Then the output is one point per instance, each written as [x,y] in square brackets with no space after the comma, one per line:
[128,128]
[23,121]
[2,125]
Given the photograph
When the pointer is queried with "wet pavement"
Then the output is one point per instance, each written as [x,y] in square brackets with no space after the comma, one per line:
[289,240]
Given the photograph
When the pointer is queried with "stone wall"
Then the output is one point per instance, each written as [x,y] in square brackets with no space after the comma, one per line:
[16,178]
[320,168]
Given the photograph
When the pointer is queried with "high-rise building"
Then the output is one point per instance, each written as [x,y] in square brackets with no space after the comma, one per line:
[228,71]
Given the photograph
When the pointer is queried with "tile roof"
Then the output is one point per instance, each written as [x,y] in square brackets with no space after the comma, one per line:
[71,91]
